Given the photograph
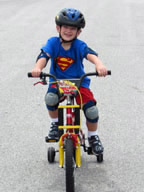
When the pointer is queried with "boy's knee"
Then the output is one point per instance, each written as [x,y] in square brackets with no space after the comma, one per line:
[91,112]
[51,99]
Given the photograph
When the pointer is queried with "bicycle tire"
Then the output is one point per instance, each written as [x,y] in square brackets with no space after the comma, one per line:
[77,119]
[60,122]
[69,165]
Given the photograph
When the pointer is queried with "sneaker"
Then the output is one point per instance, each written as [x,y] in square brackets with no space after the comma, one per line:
[53,132]
[95,143]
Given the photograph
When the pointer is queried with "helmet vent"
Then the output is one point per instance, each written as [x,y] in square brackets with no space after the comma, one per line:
[64,13]
[73,15]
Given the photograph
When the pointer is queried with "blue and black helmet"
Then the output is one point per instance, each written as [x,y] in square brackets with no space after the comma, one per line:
[71,17]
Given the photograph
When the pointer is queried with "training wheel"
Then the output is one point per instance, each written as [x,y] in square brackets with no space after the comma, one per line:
[51,154]
[100,158]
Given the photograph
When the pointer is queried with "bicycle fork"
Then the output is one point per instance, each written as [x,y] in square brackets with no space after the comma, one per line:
[77,149]
[70,126]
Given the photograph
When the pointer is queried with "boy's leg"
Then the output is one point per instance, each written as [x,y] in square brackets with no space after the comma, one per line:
[92,125]
[52,101]
[53,131]
[94,139]
[91,114]
[92,128]
[53,114]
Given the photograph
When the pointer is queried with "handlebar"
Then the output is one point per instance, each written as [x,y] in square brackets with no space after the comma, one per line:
[91,74]
[50,75]
[44,75]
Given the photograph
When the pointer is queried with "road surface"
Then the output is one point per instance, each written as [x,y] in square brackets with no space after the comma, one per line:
[115,30]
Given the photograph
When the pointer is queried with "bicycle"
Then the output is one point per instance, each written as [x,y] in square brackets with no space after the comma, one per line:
[71,136]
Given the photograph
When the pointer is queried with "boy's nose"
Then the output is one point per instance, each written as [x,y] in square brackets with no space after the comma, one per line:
[68,29]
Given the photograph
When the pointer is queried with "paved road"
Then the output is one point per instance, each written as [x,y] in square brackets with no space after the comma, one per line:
[115,29]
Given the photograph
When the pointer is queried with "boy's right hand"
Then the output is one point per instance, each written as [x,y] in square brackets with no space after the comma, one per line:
[36,72]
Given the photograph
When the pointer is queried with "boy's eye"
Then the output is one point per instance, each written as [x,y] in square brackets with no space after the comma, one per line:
[73,28]
[65,26]
[69,27]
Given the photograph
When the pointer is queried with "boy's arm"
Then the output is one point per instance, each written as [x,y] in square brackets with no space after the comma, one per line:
[40,64]
[100,68]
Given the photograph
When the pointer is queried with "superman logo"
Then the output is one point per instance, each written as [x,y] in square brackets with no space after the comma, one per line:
[64,62]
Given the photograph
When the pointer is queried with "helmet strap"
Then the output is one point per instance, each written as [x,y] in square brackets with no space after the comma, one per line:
[64,41]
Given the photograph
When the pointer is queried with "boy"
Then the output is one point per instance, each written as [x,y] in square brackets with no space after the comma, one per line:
[67,53]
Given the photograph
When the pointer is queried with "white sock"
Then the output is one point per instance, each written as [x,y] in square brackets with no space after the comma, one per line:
[92,133]
[54,120]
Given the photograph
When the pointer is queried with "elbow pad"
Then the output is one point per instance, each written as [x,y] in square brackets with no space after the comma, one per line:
[43,55]
[88,50]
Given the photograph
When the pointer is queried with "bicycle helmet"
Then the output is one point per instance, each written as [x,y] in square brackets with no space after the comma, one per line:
[71,17]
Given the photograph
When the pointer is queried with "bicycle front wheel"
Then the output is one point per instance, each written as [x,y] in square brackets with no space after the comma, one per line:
[69,165]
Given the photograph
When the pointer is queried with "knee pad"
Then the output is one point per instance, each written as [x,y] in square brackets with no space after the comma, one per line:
[51,99]
[91,112]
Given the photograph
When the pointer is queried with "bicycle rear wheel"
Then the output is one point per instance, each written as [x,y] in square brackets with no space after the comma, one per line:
[69,165]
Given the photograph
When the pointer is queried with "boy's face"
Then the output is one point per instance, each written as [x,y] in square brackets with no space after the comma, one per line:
[68,33]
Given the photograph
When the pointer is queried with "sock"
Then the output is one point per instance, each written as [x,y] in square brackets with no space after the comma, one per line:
[54,120]
[92,133]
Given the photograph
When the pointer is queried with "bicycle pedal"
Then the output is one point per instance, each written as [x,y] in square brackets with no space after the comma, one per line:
[51,140]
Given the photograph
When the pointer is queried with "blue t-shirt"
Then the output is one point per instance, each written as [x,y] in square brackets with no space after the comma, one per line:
[67,64]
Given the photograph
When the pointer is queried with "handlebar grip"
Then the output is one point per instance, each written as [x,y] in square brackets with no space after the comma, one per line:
[29,74]
[96,73]
[108,72]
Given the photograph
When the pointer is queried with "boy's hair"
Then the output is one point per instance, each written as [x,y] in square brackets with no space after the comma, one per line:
[70,17]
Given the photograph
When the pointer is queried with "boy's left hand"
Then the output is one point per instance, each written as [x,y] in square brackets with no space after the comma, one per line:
[101,69]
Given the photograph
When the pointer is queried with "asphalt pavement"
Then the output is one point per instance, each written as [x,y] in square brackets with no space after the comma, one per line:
[115,30]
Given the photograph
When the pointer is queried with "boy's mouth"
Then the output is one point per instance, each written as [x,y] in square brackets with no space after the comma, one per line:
[67,35]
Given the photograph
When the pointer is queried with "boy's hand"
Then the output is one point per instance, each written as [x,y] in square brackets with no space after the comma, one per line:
[36,72]
[101,69]
[40,64]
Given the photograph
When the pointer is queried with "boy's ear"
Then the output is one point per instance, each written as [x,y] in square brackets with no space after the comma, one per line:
[78,32]
[58,28]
